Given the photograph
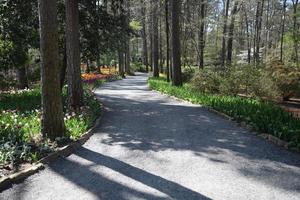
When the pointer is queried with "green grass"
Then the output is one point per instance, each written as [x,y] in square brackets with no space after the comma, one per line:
[20,124]
[264,117]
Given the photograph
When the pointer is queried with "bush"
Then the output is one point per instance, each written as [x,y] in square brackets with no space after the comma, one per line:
[207,81]
[187,74]
[263,116]
[243,79]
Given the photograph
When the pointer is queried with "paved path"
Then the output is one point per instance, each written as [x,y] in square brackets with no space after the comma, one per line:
[150,146]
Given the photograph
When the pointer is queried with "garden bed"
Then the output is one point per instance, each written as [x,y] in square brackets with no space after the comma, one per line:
[263,117]
[20,140]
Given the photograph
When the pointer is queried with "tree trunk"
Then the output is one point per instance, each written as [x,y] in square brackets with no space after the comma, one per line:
[282,30]
[231,33]
[176,51]
[75,91]
[144,36]
[127,43]
[167,39]
[52,108]
[63,68]
[295,31]
[202,34]
[121,63]
[258,24]
[22,77]
[155,50]
[223,51]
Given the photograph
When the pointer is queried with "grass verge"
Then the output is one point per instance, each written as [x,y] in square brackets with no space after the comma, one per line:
[263,117]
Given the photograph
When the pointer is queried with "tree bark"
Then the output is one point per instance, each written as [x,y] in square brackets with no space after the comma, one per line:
[167,39]
[231,33]
[155,51]
[144,36]
[202,34]
[52,108]
[75,90]
[282,30]
[22,77]
[223,51]
[176,49]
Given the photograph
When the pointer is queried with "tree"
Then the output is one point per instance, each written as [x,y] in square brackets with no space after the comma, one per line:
[21,31]
[223,51]
[202,33]
[231,32]
[155,51]
[75,91]
[52,108]
[167,38]
[144,35]
[176,52]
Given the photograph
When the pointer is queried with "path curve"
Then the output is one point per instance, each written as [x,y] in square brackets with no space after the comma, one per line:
[150,146]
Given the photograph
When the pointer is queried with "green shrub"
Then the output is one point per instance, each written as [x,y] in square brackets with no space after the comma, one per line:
[207,81]
[263,116]
[187,74]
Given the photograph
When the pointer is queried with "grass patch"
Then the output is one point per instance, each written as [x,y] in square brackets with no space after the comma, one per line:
[20,124]
[264,117]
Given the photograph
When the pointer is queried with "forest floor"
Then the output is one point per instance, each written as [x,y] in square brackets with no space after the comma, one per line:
[150,146]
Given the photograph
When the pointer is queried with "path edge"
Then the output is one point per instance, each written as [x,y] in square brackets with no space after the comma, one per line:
[268,137]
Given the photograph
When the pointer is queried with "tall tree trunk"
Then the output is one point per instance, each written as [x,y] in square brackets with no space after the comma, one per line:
[75,91]
[282,30]
[161,63]
[295,31]
[52,108]
[127,43]
[167,39]
[258,24]
[22,77]
[223,51]
[144,36]
[63,68]
[176,50]
[231,33]
[155,39]
[202,33]
[121,63]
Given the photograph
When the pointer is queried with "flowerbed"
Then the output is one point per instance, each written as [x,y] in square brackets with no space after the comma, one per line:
[20,138]
[262,116]
[92,78]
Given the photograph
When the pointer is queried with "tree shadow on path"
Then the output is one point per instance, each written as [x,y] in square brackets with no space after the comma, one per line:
[105,188]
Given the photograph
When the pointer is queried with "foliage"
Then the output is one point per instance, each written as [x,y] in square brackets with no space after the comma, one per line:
[262,116]
[20,138]
[187,74]
[242,79]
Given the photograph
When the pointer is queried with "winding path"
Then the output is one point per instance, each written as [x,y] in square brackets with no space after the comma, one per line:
[150,146]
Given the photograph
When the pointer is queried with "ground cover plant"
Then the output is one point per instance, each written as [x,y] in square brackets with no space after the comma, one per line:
[20,124]
[262,116]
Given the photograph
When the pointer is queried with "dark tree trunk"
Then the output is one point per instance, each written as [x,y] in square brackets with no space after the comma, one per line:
[52,108]
[75,91]
[63,68]
[155,51]
[202,34]
[176,49]
[282,30]
[121,63]
[231,33]
[295,31]
[22,77]
[127,43]
[167,39]
[144,36]
[223,51]
[258,24]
